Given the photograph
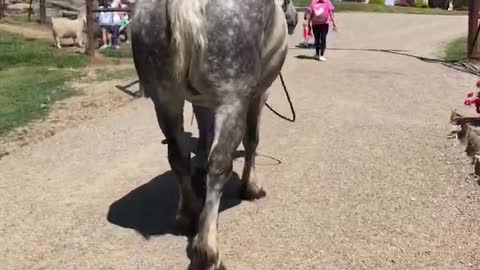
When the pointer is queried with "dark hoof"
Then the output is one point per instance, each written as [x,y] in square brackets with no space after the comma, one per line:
[196,266]
[251,193]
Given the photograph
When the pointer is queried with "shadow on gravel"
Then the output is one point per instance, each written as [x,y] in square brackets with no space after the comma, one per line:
[150,209]
[461,65]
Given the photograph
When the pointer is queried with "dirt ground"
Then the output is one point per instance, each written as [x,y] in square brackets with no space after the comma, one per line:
[367,179]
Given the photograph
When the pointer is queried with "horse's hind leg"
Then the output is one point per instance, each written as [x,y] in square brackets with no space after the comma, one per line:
[251,187]
[169,111]
[205,119]
[229,128]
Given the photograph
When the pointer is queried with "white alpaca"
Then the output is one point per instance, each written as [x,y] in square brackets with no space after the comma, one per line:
[68,28]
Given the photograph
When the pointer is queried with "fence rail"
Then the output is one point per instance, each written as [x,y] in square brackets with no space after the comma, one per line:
[97,10]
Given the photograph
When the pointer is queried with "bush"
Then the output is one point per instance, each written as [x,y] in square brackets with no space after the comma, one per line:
[376,2]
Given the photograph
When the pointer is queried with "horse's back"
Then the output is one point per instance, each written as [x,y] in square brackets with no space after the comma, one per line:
[150,22]
[236,32]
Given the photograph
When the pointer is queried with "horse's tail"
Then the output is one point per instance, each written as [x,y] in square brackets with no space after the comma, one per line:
[189,36]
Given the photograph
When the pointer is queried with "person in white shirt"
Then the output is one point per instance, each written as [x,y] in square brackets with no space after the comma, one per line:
[105,21]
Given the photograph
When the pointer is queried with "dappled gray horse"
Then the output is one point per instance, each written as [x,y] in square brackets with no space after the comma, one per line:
[222,56]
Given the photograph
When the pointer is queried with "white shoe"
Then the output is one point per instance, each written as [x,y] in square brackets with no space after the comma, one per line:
[322,58]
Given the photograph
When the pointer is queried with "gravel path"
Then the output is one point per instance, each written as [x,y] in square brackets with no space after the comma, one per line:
[368,179]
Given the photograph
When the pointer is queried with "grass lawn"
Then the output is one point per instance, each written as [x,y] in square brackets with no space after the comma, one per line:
[125,51]
[32,77]
[361,7]
[456,49]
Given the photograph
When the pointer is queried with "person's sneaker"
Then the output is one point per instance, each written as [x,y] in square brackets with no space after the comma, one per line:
[322,58]
[104,46]
[316,57]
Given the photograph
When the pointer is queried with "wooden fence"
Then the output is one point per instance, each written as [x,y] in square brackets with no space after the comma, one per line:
[91,25]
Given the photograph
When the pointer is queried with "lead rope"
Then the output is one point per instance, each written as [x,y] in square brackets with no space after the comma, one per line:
[294,116]
[292,109]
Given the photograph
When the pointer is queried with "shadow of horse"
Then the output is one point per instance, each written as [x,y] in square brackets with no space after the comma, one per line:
[150,209]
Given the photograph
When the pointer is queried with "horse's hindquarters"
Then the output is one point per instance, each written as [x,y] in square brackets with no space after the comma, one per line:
[275,50]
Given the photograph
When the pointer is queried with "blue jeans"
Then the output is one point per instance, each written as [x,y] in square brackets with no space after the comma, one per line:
[116,35]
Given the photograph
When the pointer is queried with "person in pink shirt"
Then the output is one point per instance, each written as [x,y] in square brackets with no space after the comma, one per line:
[320,15]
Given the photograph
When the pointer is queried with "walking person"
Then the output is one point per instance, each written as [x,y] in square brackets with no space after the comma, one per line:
[116,25]
[105,21]
[123,23]
[307,31]
[321,16]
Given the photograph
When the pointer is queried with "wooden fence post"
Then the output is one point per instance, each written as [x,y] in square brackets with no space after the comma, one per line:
[43,11]
[90,50]
[472,49]
[2,8]
[30,10]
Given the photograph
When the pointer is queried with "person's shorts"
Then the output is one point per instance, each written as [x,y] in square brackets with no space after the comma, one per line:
[106,27]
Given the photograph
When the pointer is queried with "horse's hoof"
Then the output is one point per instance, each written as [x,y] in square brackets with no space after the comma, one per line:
[251,192]
[205,256]
[197,266]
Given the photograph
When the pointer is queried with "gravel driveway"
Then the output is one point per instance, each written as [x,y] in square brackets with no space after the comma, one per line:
[367,180]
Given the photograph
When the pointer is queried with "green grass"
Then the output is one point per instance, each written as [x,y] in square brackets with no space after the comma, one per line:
[361,7]
[125,73]
[456,49]
[376,2]
[32,77]
[125,51]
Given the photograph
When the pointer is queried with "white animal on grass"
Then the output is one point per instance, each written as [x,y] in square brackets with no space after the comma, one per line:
[68,28]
